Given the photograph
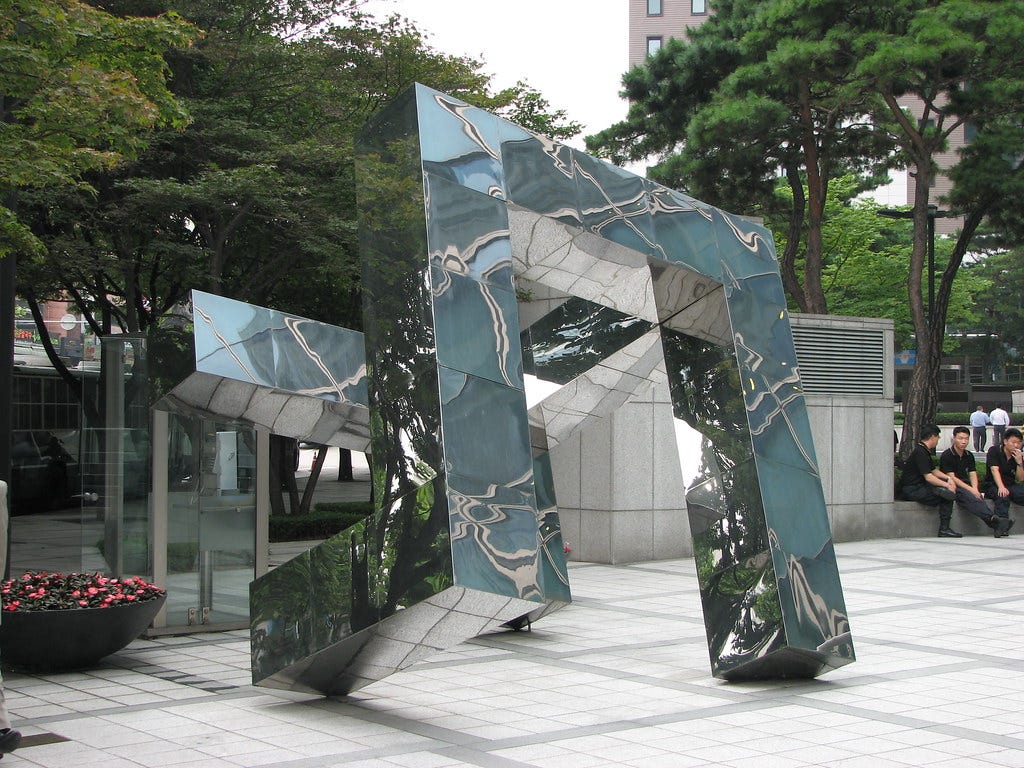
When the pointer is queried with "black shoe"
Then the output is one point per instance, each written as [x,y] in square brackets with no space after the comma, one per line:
[949,533]
[1002,526]
[9,740]
[992,522]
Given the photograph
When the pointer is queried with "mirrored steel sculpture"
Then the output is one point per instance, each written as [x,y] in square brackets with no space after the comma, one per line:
[459,211]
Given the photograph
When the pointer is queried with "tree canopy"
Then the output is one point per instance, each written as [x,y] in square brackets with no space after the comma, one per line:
[82,90]
[819,88]
[759,87]
[255,199]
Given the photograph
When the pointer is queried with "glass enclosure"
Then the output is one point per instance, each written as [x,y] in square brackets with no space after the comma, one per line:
[80,466]
[82,488]
[211,520]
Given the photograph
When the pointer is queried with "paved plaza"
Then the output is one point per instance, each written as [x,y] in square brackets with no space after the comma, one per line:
[619,678]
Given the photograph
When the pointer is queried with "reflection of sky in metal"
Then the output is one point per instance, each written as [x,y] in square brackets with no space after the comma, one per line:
[690,443]
[538,390]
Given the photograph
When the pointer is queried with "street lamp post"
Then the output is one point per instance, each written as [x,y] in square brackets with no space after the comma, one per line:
[933,214]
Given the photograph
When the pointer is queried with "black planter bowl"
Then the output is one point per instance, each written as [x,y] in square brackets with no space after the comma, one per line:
[72,638]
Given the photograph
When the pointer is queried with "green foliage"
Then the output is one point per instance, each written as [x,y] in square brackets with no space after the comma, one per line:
[864,262]
[758,87]
[326,520]
[818,89]
[997,331]
[527,107]
[82,91]
[963,418]
[256,199]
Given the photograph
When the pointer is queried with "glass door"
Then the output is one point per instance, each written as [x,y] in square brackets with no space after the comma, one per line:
[211,521]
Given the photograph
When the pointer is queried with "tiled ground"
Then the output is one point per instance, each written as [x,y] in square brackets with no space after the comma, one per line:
[620,678]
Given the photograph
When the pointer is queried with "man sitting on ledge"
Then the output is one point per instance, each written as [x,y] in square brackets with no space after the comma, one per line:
[958,463]
[923,483]
[1004,481]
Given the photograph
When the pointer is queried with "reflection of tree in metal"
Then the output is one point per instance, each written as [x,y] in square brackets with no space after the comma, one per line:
[577,336]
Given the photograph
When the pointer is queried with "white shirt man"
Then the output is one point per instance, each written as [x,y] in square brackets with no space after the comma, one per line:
[1000,421]
[979,426]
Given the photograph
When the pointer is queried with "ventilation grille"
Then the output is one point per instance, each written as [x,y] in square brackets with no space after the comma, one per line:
[841,362]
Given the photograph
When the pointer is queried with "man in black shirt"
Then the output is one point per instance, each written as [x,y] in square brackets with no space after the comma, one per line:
[922,483]
[958,463]
[1004,480]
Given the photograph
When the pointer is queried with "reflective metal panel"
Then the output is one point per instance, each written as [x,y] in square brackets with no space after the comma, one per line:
[291,375]
[575,337]
[498,452]
[613,203]
[580,263]
[461,143]
[476,328]
[468,233]
[684,231]
[488,524]
[540,176]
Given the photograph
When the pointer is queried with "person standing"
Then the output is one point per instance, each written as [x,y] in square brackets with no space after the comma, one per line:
[923,483]
[979,426]
[1004,480]
[9,738]
[958,463]
[1000,421]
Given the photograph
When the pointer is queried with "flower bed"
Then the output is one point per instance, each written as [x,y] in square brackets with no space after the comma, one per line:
[42,591]
[54,621]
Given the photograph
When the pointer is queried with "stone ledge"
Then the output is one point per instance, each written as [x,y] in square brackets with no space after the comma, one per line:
[635,537]
[898,520]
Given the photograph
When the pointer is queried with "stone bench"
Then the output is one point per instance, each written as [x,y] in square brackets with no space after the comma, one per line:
[903,520]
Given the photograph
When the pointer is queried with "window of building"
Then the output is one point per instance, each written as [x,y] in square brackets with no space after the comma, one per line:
[653,45]
[654,7]
[698,7]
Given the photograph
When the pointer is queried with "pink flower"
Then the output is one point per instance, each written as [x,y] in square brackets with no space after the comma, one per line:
[44,592]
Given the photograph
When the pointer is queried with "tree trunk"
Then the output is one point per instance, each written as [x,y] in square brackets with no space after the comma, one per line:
[922,395]
[311,481]
[275,476]
[787,259]
[920,401]
[817,186]
[345,466]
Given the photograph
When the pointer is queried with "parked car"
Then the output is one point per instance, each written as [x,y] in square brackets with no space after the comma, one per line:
[44,472]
